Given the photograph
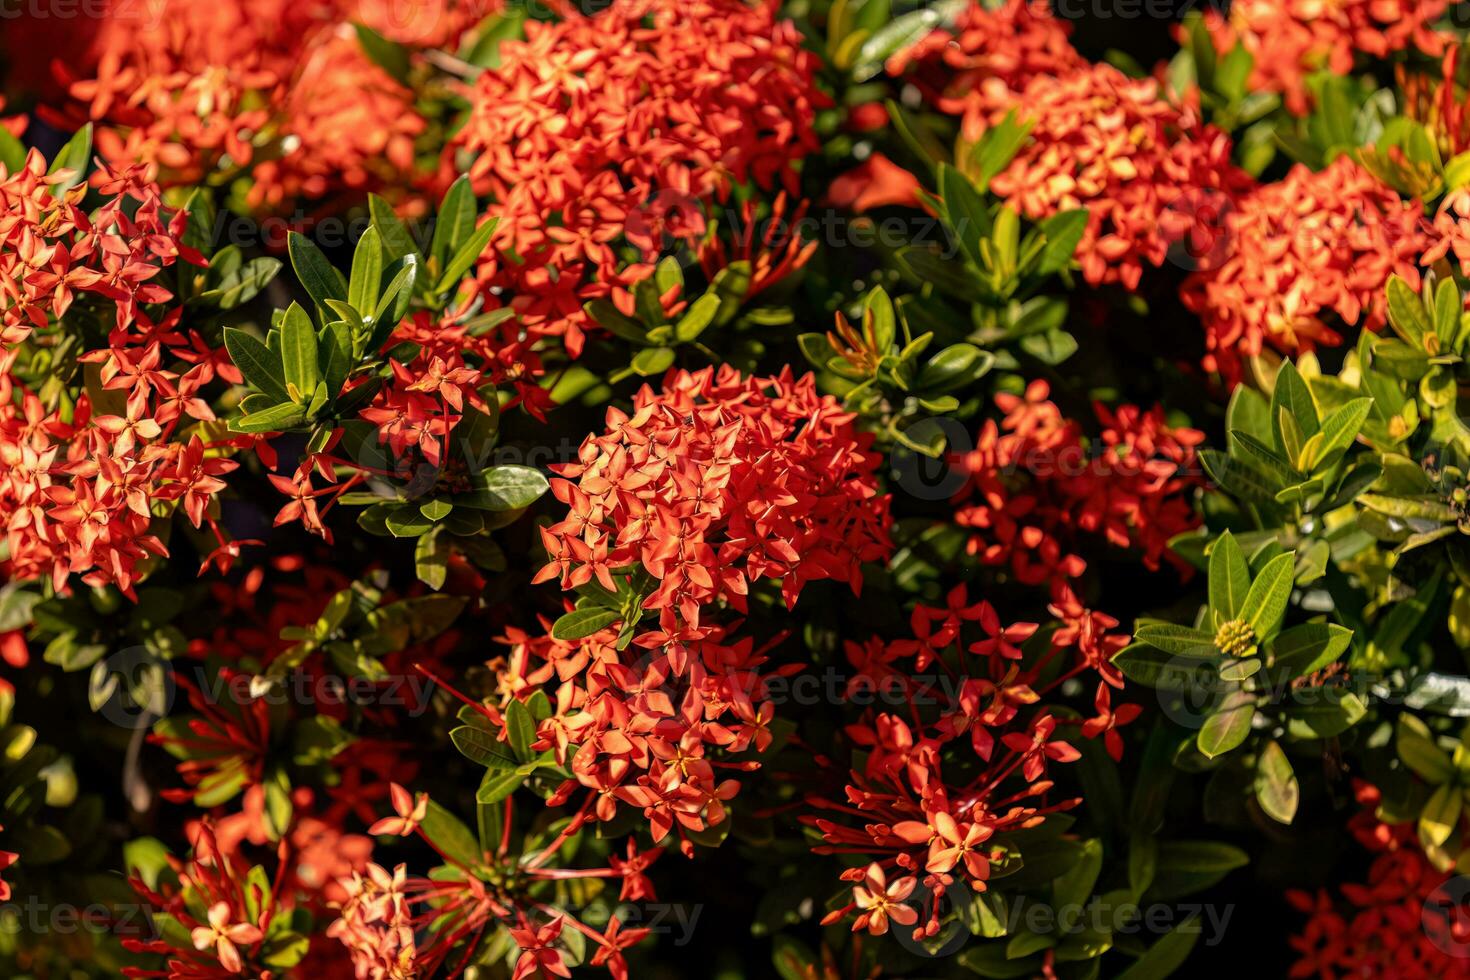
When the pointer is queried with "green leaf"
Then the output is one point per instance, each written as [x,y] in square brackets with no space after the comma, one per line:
[993,960]
[299,353]
[1180,640]
[1276,785]
[1416,746]
[388,55]
[241,285]
[482,747]
[466,255]
[1163,671]
[1230,578]
[1410,508]
[611,319]
[1292,394]
[497,784]
[1228,727]
[278,418]
[653,361]
[928,266]
[407,521]
[450,836]
[505,488]
[1063,233]
[522,729]
[1339,430]
[1406,313]
[431,559]
[455,223]
[367,272]
[393,302]
[1265,603]
[1238,478]
[1441,815]
[1052,347]
[12,152]
[1331,712]
[1200,857]
[320,279]
[392,232]
[698,317]
[581,623]
[953,367]
[76,158]
[1074,887]
[334,347]
[997,148]
[890,37]
[915,135]
[1249,412]
[967,212]
[1447,308]
[1165,956]
[260,366]
[1307,648]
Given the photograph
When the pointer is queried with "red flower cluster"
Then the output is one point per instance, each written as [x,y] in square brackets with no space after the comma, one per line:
[640,726]
[402,926]
[715,482]
[898,805]
[422,23]
[1141,166]
[1403,922]
[1297,251]
[1291,39]
[226,911]
[1039,483]
[281,88]
[600,138]
[988,55]
[81,482]
[348,125]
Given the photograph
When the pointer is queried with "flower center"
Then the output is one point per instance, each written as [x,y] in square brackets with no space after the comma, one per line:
[1236,639]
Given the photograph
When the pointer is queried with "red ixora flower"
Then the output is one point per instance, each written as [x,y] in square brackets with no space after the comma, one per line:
[715,482]
[1143,167]
[900,807]
[1293,39]
[1306,253]
[80,484]
[278,88]
[624,125]
[1035,482]
[1405,921]
[989,53]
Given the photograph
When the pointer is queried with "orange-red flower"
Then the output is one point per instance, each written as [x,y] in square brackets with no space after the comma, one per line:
[618,128]
[989,53]
[1291,39]
[1115,146]
[716,482]
[1302,256]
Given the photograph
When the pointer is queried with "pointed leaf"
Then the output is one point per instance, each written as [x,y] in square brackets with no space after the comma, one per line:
[1230,578]
[1265,603]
